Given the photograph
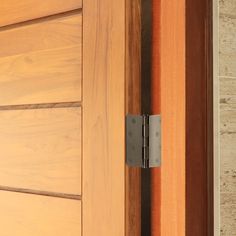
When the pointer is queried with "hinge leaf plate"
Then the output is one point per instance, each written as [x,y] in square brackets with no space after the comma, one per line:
[154,141]
[134,140]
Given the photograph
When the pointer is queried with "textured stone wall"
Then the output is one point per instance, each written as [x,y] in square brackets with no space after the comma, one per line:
[227,77]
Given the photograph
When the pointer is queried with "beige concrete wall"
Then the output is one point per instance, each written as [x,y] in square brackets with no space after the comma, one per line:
[227,78]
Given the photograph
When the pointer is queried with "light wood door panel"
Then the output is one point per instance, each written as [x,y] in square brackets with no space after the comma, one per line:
[14,11]
[41,77]
[41,149]
[103,118]
[50,118]
[41,63]
[55,32]
[33,215]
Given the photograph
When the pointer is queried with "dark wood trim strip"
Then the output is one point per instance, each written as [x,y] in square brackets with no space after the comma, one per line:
[133,106]
[41,106]
[39,192]
[199,118]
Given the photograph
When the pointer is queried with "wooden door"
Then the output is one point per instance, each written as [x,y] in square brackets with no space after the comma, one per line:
[62,109]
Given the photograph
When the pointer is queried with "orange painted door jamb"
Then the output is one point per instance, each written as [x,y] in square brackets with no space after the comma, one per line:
[168,99]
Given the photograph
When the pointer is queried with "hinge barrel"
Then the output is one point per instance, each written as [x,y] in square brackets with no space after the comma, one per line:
[143,140]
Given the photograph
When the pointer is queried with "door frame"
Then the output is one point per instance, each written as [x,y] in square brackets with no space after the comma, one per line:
[191,61]
[194,170]
[199,118]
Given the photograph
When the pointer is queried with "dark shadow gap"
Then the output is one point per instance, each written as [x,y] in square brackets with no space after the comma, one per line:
[146,52]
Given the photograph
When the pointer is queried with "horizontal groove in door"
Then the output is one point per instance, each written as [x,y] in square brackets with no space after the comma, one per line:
[41,20]
[41,62]
[41,149]
[43,193]
[24,214]
[14,11]
[41,106]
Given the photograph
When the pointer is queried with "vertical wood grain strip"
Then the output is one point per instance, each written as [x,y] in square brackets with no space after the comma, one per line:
[199,118]
[172,71]
[103,118]
[133,106]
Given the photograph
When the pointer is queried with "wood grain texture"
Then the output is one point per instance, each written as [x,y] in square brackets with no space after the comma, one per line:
[59,32]
[172,75]
[133,106]
[41,149]
[25,214]
[103,118]
[199,119]
[14,11]
[41,62]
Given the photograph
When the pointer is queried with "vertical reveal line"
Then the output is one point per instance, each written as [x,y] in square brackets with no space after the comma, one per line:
[146,68]
[156,109]
[216,120]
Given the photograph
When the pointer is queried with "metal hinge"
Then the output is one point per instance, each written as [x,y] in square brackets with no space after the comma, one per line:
[143,140]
